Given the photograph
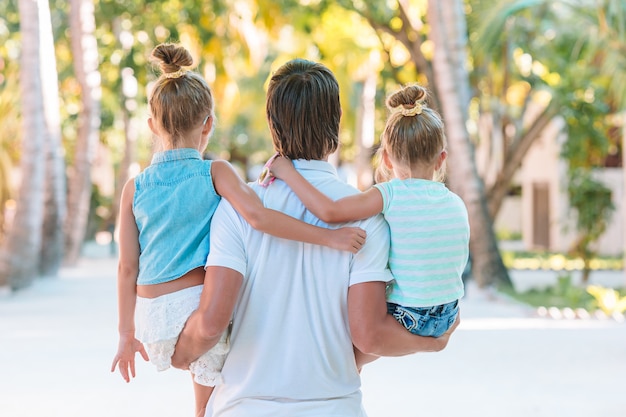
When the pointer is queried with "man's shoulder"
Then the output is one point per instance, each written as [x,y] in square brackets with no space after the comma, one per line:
[337,189]
[226,207]
[375,222]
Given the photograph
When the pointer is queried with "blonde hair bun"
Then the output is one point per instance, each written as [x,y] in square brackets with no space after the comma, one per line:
[171,58]
[180,98]
[409,100]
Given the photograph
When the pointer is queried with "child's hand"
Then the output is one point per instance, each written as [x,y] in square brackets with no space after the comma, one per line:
[125,356]
[266,178]
[281,167]
[350,239]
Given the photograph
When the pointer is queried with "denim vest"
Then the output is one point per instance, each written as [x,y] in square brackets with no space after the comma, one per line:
[173,205]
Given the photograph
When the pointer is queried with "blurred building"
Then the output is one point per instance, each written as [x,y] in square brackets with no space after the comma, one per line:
[539,208]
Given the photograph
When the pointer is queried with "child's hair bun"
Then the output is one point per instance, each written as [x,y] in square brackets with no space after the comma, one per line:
[408,97]
[171,58]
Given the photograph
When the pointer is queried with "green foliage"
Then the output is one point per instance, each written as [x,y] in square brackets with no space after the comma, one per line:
[238,44]
[505,234]
[10,134]
[608,49]
[554,47]
[573,295]
[592,201]
[9,18]
[9,89]
[585,95]
[546,55]
[588,144]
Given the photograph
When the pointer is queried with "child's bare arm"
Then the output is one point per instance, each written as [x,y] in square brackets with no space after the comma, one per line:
[355,207]
[128,269]
[229,185]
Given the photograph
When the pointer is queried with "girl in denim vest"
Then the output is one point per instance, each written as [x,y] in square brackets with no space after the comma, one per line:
[428,223]
[165,220]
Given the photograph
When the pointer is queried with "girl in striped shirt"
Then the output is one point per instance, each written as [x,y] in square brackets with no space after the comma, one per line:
[428,223]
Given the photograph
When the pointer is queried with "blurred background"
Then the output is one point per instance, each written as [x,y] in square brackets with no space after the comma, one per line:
[533,94]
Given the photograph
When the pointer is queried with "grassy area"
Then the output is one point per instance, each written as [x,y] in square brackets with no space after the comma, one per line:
[565,294]
[562,295]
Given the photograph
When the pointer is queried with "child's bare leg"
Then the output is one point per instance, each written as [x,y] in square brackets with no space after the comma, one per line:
[202,393]
[362,358]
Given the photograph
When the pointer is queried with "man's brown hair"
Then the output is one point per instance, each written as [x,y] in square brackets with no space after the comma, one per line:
[303,110]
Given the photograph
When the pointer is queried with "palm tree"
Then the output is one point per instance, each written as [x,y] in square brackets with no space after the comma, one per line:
[85,52]
[10,129]
[20,251]
[55,201]
[449,35]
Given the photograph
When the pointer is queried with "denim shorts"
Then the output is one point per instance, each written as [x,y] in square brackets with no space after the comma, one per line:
[425,321]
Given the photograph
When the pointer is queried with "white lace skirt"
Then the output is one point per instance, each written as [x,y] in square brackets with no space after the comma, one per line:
[159,322]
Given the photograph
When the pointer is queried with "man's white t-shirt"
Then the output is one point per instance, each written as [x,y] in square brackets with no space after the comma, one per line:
[291,352]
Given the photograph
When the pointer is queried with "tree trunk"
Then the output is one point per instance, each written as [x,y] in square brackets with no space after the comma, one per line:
[5,189]
[513,159]
[447,22]
[364,135]
[624,194]
[128,167]
[85,51]
[55,200]
[19,257]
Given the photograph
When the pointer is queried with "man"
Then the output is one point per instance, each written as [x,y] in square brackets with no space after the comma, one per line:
[296,308]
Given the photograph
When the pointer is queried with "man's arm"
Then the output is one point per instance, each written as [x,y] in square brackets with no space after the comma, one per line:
[375,332]
[207,324]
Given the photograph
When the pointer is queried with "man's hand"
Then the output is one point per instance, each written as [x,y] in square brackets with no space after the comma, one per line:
[444,338]
[205,326]
[179,359]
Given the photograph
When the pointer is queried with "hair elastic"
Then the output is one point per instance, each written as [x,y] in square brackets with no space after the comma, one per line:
[416,109]
[175,74]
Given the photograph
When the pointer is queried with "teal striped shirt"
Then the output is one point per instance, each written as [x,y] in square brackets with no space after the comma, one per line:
[429,241]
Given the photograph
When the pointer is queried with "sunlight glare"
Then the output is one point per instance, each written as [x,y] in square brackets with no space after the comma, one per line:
[525,64]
